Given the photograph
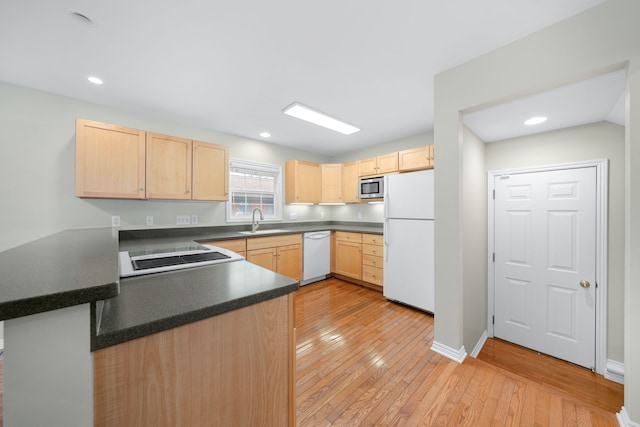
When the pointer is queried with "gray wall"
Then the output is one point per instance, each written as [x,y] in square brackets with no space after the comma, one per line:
[599,40]
[474,245]
[590,142]
[37,167]
[37,163]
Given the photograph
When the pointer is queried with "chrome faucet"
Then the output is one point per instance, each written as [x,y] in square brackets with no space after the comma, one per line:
[254,222]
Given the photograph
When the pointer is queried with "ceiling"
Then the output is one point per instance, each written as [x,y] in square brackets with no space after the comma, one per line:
[234,66]
[589,101]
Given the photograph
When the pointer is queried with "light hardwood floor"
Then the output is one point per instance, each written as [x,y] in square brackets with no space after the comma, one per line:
[363,360]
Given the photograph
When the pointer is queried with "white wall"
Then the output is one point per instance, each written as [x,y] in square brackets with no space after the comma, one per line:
[37,163]
[599,40]
[474,246]
[413,141]
[37,169]
[602,140]
[374,212]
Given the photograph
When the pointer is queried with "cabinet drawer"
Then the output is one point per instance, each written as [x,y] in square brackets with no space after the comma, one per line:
[373,261]
[273,241]
[372,274]
[372,250]
[235,245]
[348,237]
[372,239]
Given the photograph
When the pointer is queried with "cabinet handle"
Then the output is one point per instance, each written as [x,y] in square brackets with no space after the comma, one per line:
[188,191]
[141,188]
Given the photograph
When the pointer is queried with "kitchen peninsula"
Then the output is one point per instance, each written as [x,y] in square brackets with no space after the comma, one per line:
[207,345]
[215,341]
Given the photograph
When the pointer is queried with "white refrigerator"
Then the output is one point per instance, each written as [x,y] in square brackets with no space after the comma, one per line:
[408,239]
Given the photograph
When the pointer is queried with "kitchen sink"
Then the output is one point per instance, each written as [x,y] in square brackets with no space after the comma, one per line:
[259,232]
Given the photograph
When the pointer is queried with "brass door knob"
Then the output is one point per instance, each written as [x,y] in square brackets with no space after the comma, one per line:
[585,283]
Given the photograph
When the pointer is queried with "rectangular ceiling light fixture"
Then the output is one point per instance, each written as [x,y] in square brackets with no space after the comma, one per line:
[302,112]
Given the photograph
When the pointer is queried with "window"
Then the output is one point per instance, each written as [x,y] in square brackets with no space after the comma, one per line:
[254,185]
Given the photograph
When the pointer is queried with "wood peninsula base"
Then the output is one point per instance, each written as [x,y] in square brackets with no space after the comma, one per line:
[237,368]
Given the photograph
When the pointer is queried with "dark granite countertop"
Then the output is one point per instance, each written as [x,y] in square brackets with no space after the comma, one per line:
[68,268]
[81,266]
[145,238]
[156,302]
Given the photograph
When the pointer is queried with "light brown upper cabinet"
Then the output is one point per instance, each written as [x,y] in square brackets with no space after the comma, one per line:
[350,182]
[302,182]
[331,183]
[110,161]
[416,159]
[168,167]
[210,171]
[182,169]
[379,165]
[118,162]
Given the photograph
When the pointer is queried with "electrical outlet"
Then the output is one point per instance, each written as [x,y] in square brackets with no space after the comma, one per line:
[183,220]
[293,215]
[359,215]
[194,219]
[149,220]
[115,220]
[321,214]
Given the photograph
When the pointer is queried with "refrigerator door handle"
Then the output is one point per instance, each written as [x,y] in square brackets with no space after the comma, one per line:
[385,236]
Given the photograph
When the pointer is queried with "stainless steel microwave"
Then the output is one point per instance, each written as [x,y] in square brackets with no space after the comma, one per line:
[372,188]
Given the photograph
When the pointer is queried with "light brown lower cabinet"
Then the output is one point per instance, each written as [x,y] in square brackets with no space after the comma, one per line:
[359,256]
[348,254]
[282,254]
[234,369]
[372,259]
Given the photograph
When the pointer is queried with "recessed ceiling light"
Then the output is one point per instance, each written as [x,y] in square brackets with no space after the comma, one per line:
[302,112]
[95,80]
[535,120]
[265,134]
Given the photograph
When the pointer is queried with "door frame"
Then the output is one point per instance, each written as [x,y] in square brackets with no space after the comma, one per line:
[602,201]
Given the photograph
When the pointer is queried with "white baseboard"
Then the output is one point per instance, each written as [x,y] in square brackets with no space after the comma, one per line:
[479,345]
[614,371]
[453,354]
[623,419]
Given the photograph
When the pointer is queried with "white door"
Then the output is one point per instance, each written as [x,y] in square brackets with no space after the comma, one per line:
[545,255]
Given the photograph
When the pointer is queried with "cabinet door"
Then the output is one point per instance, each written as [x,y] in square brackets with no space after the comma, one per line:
[415,159]
[367,167]
[350,182]
[302,182]
[264,258]
[289,261]
[210,171]
[388,163]
[109,161]
[168,167]
[331,183]
[348,259]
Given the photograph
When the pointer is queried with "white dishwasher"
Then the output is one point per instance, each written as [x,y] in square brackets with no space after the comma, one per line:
[317,252]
